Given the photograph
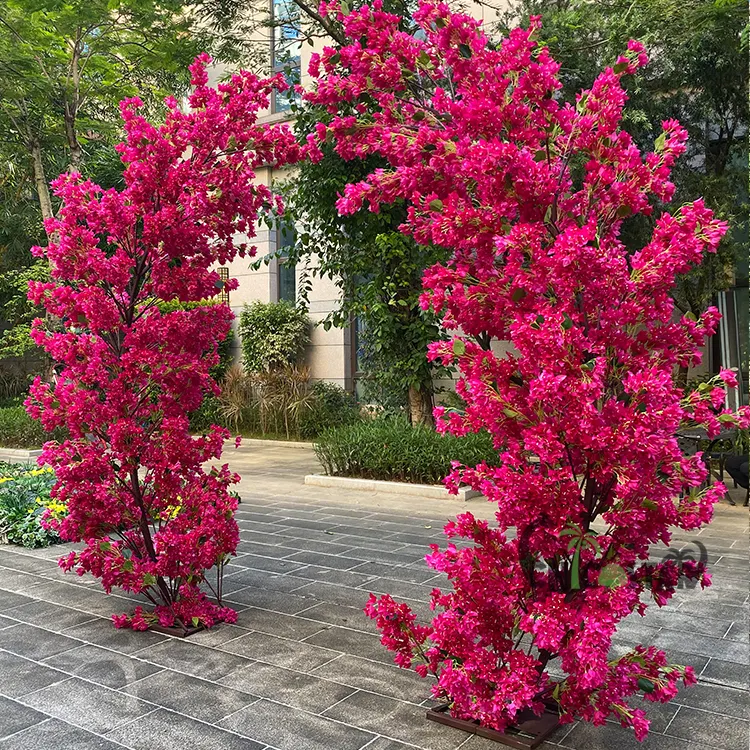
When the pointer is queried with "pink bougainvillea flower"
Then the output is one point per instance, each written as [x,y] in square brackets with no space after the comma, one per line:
[151,518]
[530,193]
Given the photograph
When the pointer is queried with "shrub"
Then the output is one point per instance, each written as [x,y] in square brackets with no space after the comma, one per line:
[392,449]
[25,504]
[273,334]
[19,430]
[331,406]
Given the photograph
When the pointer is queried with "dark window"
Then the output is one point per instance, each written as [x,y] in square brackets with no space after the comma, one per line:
[285,50]
[223,295]
[285,238]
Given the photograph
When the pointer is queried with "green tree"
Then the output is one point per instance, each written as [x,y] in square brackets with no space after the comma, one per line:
[698,74]
[64,67]
[377,269]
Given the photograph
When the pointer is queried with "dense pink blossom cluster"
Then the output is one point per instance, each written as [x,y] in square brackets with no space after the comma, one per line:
[530,194]
[153,520]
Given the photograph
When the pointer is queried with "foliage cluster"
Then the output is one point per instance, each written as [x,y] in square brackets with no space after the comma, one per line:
[273,335]
[19,430]
[282,403]
[392,449]
[26,504]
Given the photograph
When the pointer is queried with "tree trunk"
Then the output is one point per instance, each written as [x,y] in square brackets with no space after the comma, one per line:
[40,180]
[421,405]
[681,378]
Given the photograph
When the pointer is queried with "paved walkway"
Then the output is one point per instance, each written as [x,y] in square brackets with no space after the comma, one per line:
[303,668]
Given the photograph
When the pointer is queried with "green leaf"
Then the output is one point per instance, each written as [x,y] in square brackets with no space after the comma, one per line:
[660,142]
[459,347]
[575,583]
[649,505]
[128,566]
[613,576]
[518,294]
[149,580]
[646,685]
[464,50]
[435,204]
[567,323]
[620,67]
[196,621]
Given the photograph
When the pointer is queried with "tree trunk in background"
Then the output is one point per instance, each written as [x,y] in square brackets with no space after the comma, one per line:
[421,405]
[40,180]
[681,378]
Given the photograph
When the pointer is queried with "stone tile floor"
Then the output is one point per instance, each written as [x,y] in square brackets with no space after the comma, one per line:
[303,668]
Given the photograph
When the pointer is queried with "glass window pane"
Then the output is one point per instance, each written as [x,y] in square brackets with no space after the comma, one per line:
[287,282]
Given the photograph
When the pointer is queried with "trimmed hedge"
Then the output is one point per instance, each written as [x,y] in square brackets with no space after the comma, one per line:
[19,430]
[391,449]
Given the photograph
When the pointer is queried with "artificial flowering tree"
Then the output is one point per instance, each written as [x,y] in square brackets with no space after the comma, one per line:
[530,193]
[153,521]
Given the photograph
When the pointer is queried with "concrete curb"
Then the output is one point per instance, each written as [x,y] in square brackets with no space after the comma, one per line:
[18,454]
[432,491]
[273,443]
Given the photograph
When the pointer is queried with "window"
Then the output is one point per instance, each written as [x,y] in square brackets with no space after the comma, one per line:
[285,50]
[223,295]
[286,236]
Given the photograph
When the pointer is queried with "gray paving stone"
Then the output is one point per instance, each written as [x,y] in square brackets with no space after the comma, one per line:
[163,730]
[192,659]
[331,575]
[14,717]
[400,589]
[34,643]
[710,729]
[108,668]
[352,642]
[726,673]
[272,565]
[87,706]
[191,696]
[675,619]
[396,720]
[338,614]
[49,616]
[19,676]
[330,592]
[288,728]
[317,545]
[394,572]
[701,645]
[719,610]
[295,689]
[217,635]
[585,736]
[263,598]
[716,698]
[261,579]
[275,623]
[281,652]
[737,632]
[383,743]
[10,599]
[338,562]
[375,677]
[372,551]
[103,633]
[263,550]
[57,735]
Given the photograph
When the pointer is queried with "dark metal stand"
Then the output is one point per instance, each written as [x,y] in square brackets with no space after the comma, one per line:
[528,733]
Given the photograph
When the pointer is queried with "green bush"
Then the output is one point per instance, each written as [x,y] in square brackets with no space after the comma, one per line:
[331,406]
[391,449]
[273,334]
[19,430]
[24,500]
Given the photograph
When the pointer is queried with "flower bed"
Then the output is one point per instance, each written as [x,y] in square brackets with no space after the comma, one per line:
[25,504]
